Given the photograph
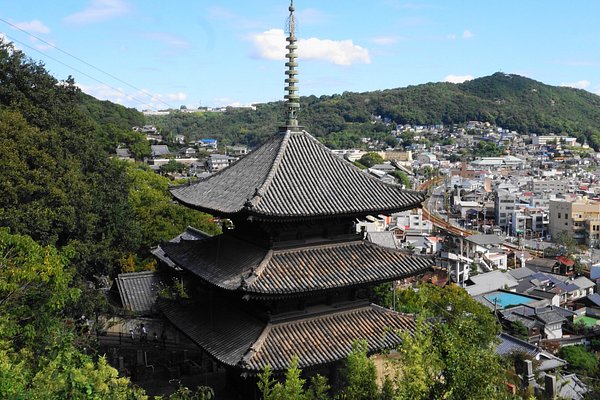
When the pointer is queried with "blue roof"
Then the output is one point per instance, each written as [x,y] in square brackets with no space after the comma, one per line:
[594,298]
[208,140]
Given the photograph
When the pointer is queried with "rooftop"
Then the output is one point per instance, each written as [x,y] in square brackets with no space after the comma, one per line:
[294,176]
[319,337]
[235,264]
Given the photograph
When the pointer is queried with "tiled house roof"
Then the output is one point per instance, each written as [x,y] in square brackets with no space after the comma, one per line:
[138,290]
[293,176]
[234,264]
[238,340]
[190,233]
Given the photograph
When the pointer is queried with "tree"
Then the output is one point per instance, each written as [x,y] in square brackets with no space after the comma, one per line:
[360,374]
[370,159]
[39,355]
[451,354]
[172,166]
[155,214]
[402,178]
[419,366]
[580,360]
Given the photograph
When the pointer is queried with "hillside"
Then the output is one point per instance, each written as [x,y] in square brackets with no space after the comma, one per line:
[510,101]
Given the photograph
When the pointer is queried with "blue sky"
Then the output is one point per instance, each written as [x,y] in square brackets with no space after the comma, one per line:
[154,54]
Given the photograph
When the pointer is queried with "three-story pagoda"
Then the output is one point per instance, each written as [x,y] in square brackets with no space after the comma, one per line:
[293,277]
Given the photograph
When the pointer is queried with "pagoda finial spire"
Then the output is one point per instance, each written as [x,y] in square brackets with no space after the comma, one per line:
[293,100]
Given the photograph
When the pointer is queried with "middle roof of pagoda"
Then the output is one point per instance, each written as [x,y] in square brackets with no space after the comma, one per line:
[237,265]
[293,176]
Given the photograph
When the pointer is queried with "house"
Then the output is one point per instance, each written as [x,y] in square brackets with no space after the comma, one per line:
[217,162]
[490,282]
[179,139]
[486,248]
[558,265]
[208,143]
[123,153]
[546,361]
[542,322]
[159,150]
[237,151]
[138,291]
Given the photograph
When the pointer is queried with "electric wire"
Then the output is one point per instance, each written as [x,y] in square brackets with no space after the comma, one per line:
[84,62]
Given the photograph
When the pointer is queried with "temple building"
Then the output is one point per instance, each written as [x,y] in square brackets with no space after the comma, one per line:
[292,277]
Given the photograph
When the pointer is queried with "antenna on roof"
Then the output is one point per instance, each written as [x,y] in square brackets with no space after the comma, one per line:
[293,100]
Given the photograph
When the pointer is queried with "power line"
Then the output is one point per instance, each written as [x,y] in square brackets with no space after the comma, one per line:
[84,62]
[81,72]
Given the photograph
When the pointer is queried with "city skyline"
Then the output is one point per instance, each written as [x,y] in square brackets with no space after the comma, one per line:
[154,56]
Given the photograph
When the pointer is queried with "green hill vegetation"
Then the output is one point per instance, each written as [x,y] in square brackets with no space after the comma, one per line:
[68,212]
[340,120]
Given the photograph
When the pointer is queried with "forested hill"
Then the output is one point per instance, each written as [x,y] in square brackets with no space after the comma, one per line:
[60,185]
[510,101]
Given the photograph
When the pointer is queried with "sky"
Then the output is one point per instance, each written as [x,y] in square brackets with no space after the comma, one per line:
[160,54]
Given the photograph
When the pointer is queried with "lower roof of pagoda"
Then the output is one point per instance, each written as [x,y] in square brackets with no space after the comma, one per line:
[233,264]
[317,337]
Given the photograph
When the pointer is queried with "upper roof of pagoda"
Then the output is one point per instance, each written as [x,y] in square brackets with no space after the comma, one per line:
[294,176]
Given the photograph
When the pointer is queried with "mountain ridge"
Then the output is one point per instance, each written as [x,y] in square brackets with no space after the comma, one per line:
[340,120]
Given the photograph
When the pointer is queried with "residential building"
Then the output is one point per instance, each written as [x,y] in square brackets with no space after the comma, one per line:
[208,143]
[573,216]
[217,162]
[504,207]
[550,185]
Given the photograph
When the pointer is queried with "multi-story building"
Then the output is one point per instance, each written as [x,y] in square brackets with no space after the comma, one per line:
[578,218]
[504,206]
[530,221]
[550,186]
[552,139]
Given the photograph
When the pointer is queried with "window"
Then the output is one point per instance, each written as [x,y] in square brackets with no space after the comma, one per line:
[566,216]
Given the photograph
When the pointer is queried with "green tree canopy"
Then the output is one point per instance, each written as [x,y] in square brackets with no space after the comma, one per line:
[38,353]
[370,159]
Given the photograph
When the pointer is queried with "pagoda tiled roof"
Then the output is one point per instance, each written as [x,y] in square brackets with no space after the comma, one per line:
[239,340]
[234,264]
[293,176]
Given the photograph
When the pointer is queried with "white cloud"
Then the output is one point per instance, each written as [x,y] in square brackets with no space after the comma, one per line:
[99,10]
[467,34]
[141,99]
[34,26]
[386,40]
[457,78]
[451,36]
[582,84]
[180,96]
[271,45]
[49,44]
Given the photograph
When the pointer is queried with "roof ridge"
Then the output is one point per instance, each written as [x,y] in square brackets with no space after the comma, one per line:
[256,272]
[260,191]
[318,246]
[322,314]
[257,345]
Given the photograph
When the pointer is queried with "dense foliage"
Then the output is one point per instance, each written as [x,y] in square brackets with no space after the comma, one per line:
[341,120]
[451,355]
[59,184]
[39,352]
